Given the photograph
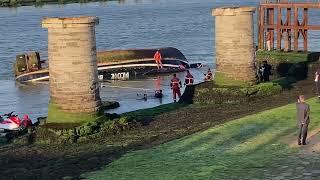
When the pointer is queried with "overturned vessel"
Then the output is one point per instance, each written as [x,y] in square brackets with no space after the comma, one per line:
[112,65]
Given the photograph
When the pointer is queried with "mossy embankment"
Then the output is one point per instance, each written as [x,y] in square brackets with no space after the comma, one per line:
[288,67]
[102,142]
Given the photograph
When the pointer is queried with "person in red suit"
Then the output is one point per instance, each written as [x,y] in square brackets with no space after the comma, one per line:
[208,76]
[157,57]
[175,86]
[189,79]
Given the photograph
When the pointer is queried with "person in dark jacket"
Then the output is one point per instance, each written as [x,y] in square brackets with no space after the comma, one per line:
[303,120]
[266,71]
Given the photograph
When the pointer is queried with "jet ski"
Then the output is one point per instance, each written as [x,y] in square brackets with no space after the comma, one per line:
[12,123]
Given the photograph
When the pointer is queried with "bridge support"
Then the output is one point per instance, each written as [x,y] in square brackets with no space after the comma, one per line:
[74,88]
[234,43]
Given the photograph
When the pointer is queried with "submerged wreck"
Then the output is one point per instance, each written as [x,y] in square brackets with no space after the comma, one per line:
[112,65]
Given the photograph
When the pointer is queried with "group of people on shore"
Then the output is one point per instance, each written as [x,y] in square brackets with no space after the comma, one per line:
[175,83]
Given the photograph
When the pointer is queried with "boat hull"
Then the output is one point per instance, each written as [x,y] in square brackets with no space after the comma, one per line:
[116,72]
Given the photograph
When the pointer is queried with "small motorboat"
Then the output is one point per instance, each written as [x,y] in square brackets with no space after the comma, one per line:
[112,65]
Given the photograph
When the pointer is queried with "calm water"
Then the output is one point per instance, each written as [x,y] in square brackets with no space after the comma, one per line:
[184,24]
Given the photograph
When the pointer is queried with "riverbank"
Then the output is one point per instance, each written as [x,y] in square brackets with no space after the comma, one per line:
[259,146]
[149,128]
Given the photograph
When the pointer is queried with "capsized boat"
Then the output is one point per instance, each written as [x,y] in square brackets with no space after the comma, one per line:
[112,65]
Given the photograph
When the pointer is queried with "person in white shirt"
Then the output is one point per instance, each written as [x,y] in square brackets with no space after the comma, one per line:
[317,82]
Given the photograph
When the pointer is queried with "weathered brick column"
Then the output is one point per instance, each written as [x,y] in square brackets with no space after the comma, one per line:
[74,88]
[234,42]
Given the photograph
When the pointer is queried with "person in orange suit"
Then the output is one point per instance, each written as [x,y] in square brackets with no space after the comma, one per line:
[157,57]
[208,76]
[175,86]
[189,79]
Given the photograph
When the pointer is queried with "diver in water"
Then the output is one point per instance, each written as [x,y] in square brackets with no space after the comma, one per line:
[158,93]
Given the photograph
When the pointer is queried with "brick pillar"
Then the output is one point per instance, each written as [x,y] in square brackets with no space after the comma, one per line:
[74,88]
[234,42]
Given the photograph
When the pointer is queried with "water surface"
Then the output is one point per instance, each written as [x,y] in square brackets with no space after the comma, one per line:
[186,25]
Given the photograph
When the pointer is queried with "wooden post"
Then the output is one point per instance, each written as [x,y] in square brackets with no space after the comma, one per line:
[289,30]
[296,30]
[279,30]
[305,30]
[271,22]
[261,18]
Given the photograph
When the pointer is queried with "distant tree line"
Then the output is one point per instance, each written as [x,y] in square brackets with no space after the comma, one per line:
[17,3]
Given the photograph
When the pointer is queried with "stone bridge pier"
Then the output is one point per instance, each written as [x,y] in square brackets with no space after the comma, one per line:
[234,43]
[74,88]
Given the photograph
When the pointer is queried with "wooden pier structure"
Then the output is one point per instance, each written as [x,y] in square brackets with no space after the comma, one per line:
[285,20]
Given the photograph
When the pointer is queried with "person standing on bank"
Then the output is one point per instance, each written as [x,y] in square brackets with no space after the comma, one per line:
[157,57]
[208,76]
[303,120]
[175,86]
[266,71]
[189,79]
[317,82]
[268,37]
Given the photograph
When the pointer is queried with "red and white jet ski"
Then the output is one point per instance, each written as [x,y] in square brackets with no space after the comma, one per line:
[12,122]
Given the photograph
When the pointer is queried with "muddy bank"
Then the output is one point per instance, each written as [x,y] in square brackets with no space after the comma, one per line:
[39,161]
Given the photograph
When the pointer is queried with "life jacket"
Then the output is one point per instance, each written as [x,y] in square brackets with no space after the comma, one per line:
[189,79]
[175,82]
[157,56]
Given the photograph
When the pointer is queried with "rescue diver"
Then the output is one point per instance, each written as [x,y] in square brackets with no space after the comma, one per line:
[158,93]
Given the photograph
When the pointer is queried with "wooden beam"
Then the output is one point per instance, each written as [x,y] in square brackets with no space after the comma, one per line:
[271,22]
[309,27]
[289,24]
[305,32]
[261,18]
[296,30]
[292,5]
[279,30]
